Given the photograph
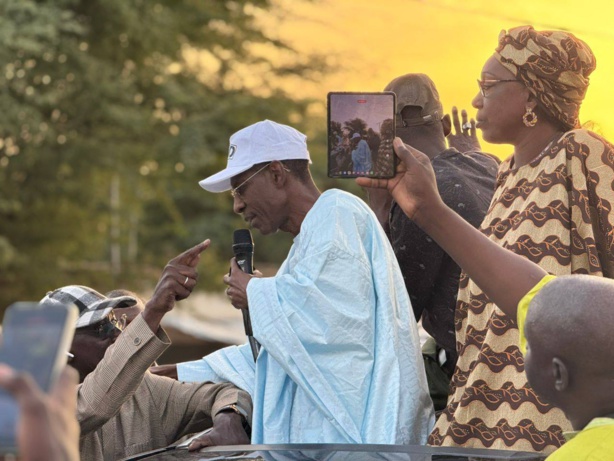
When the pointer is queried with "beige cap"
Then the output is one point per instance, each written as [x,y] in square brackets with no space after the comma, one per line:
[416,90]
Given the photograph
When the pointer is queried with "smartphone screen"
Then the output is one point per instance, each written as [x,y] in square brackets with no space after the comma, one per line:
[34,339]
[361,128]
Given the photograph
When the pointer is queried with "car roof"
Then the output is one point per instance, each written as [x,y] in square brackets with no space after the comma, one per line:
[336,452]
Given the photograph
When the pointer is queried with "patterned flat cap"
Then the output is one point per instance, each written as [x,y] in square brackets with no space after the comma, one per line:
[93,306]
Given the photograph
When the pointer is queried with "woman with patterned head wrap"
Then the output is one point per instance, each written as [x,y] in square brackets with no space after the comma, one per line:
[552,204]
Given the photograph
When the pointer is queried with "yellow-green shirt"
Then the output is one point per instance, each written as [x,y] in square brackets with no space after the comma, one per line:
[593,443]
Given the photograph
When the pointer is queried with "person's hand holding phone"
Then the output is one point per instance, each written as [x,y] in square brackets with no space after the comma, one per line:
[47,428]
[414,187]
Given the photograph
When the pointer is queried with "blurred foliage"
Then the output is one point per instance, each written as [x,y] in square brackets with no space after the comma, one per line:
[112,112]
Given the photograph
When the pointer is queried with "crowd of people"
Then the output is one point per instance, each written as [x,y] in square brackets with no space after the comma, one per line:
[507,266]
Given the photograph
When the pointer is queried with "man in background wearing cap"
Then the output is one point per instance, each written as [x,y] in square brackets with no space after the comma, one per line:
[466,184]
[122,409]
[340,359]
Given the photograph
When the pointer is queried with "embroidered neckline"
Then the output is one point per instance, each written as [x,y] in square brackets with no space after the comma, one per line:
[555,139]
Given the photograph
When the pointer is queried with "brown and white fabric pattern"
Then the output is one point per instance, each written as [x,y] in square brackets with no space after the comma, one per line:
[553,65]
[557,212]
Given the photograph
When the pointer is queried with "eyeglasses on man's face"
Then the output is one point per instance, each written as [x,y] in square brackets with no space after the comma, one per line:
[235,192]
[488,83]
[108,328]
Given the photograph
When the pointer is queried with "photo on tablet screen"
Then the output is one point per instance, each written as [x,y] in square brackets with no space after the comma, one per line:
[360,135]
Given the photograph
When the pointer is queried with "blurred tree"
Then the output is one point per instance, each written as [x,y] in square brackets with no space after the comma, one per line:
[112,112]
[356,125]
[336,131]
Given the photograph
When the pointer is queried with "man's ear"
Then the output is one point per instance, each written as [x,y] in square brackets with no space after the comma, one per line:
[560,374]
[279,173]
[446,124]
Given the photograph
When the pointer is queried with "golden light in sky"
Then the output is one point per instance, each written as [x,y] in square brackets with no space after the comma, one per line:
[371,42]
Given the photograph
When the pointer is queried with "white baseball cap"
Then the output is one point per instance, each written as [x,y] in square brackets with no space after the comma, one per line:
[258,143]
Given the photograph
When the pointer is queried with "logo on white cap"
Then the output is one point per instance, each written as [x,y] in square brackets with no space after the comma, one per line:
[231,151]
[261,142]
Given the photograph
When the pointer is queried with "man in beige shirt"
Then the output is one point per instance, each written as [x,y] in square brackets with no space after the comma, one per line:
[122,408]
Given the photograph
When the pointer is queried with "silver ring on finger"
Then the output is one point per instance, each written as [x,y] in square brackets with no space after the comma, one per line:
[186,281]
[466,126]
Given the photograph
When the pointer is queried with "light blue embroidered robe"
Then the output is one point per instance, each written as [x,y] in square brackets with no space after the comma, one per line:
[340,359]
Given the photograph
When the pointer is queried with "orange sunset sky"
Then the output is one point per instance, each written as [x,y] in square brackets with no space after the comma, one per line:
[369,42]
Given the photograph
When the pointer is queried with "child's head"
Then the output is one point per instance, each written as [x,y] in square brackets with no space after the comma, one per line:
[570,346]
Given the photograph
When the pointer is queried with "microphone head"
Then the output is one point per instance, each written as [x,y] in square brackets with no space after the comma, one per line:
[242,237]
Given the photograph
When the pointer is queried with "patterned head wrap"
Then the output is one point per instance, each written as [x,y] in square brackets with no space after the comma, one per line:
[553,65]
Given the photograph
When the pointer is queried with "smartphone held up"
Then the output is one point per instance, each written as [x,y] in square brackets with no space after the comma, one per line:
[35,339]
[361,129]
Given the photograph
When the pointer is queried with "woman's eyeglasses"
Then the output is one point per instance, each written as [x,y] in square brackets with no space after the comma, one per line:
[486,84]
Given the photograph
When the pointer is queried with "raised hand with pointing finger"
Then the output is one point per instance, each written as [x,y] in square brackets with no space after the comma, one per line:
[176,283]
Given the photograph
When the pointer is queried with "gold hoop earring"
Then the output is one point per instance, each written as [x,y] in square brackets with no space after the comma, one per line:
[529,118]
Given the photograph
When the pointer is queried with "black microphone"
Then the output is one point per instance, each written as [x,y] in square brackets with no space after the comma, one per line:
[243,249]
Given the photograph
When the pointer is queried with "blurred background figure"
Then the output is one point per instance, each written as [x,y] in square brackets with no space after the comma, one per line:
[361,154]
[130,312]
